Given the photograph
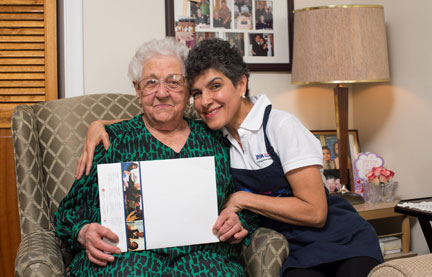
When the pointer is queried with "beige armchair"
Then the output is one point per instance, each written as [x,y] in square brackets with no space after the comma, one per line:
[419,266]
[48,139]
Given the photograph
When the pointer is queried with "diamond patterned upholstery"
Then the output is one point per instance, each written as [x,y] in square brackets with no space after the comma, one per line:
[48,138]
[265,255]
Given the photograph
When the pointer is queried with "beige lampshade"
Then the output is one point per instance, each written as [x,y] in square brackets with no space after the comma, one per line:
[340,44]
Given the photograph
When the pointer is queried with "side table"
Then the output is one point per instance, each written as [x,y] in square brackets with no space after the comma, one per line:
[420,208]
[372,211]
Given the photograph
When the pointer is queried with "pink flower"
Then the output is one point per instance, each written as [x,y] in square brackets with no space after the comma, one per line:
[377,170]
[386,175]
[372,177]
[379,175]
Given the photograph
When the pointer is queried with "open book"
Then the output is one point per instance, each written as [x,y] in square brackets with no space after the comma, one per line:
[157,204]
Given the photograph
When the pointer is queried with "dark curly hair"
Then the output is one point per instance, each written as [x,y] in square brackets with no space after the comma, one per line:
[219,55]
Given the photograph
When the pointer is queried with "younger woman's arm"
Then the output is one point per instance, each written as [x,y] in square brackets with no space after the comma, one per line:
[96,134]
[308,207]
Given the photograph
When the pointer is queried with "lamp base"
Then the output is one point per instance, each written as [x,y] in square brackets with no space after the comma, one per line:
[352,197]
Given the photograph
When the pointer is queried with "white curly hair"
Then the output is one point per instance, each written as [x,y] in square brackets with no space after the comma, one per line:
[156,47]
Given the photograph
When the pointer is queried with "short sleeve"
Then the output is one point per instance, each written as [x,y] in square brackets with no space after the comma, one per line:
[293,142]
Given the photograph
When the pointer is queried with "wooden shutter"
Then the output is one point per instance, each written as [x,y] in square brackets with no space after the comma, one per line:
[28,54]
[28,74]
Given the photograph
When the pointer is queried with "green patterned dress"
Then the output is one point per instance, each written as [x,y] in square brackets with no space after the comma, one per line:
[131,141]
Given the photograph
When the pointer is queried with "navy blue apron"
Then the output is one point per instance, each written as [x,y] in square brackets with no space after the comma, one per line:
[344,235]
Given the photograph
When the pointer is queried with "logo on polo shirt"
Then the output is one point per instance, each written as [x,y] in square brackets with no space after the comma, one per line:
[259,158]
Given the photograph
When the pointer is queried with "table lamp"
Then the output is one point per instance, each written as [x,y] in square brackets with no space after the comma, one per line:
[340,44]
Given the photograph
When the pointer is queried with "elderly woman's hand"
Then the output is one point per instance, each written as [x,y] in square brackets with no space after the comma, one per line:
[90,237]
[229,228]
[95,134]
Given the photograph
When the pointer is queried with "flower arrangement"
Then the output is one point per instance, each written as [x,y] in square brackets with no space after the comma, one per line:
[380,175]
[380,178]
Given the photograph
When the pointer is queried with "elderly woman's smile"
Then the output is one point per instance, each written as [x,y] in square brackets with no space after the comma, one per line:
[162,91]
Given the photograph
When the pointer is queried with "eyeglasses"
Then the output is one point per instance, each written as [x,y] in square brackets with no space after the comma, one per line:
[172,82]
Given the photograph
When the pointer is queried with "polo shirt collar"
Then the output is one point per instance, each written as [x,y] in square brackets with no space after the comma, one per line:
[254,119]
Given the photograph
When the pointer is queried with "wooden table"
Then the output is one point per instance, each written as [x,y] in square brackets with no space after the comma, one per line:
[371,211]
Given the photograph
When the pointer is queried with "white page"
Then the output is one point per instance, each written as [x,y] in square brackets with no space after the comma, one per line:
[180,201]
[111,201]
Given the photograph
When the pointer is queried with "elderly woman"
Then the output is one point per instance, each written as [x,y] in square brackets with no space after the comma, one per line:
[160,132]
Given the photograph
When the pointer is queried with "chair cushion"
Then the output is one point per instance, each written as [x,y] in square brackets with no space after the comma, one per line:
[404,267]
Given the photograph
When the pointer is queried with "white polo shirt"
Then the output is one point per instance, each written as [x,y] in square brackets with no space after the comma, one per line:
[295,145]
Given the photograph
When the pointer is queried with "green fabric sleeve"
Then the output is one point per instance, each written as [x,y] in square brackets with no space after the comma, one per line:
[249,221]
[79,207]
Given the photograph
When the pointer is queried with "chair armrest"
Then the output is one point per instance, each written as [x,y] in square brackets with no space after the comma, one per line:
[404,267]
[33,205]
[39,252]
[265,254]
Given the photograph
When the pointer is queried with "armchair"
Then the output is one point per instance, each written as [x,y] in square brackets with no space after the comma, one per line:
[48,139]
[404,267]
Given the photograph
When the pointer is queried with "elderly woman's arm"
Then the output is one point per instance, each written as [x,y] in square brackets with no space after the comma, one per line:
[77,216]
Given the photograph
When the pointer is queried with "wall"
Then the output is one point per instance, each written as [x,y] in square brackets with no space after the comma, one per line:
[112,32]
[393,119]
[111,37]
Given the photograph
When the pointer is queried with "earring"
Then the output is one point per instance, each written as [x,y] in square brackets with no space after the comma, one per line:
[244,96]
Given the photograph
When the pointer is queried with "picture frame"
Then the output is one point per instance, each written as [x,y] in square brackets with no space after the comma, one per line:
[266,44]
[329,139]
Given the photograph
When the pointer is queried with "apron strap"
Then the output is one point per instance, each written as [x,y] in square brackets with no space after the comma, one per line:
[265,120]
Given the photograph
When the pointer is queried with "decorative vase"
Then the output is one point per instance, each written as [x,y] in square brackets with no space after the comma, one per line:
[383,192]
[371,192]
[388,191]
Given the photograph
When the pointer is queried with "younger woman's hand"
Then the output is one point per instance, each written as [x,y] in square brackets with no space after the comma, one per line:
[95,134]
[234,201]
